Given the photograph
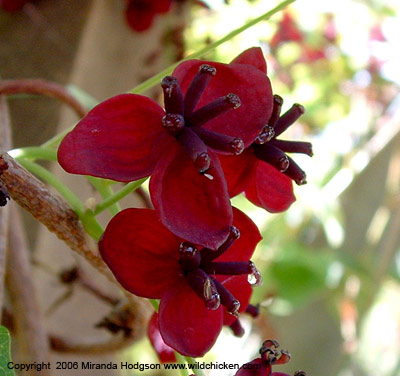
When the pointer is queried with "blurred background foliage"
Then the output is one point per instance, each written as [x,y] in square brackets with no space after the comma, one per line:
[331,264]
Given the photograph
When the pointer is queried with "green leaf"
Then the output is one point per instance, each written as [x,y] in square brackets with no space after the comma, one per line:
[5,352]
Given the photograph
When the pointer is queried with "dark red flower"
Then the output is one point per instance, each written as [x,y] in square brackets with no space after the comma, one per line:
[269,355]
[12,5]
[192,283]
[287,31]
[263,171]
[130,136]
[140,13]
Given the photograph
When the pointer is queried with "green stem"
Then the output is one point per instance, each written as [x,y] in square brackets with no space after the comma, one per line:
[182,360]
[155,303]
[111,200]
[34,152]
[152,81]
[197,372]
[54,141]
[106,192]
[92,227]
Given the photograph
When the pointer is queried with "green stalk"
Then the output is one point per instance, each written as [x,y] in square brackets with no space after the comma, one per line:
[106,192]
[34,152]
[197,372]
[111,200]
[55,140]
[181,360]
[92,227]
[155,303]
[152,81]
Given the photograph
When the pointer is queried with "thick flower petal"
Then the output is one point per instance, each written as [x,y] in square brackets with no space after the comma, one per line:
[165,353]
[241,289]
[253,56]
[249,83]
[270,189]
[142,254]
[243,248]
[119,139]
[254,368]
[12,5]
[193,206]
[186,324]
[238,170]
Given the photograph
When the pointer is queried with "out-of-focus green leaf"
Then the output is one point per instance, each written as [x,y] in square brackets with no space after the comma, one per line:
[297,274]
[5,352]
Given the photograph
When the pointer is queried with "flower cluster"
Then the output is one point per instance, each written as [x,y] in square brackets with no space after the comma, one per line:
[269,355]
[215,138]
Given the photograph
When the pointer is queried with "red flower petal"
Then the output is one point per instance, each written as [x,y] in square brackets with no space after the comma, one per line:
[12,5]
[253,56]
[140,13]
[243,248]
[165,353]
[238,170]
[141,252]
[119,139]
[250,84]
[186,324]
[260,370]
[241,289]
[189,204]
[270,189]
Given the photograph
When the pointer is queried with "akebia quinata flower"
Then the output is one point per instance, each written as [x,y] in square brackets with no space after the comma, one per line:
[269,356]
[264,171]
[209,108]
[197,286]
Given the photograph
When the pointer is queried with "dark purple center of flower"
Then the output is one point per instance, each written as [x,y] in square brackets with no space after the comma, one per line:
[185,123]
[199,269]
[273,151]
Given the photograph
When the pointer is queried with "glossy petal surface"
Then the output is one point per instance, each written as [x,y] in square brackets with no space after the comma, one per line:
[243,248]
[164,352]
[141,252]
[119,139]
[270,189]
[253,56]
[249,83]
[238,170]
[192,206]
[186,324]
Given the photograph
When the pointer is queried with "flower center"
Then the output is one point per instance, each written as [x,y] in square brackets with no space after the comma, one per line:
[181,115]
[199,269]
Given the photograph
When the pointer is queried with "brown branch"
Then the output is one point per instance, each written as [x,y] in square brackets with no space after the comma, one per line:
[31,337]
[48,208]
[42,87]
[5,144]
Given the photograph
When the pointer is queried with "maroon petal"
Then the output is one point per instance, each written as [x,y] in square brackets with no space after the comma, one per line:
[270,189]
[193,206]
[12,5]
[165,353]
[241,289]
[141,252]
[253,56]
[140,13]
[186,324]
[238,170]
[243,248]
[249,83]
[254,368]
[119,139]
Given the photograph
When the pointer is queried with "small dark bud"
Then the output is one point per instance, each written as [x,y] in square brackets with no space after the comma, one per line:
[4,196]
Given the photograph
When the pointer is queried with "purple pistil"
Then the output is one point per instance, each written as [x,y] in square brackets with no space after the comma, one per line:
[182,116]
[270,355]
[272,151]
[199,270]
